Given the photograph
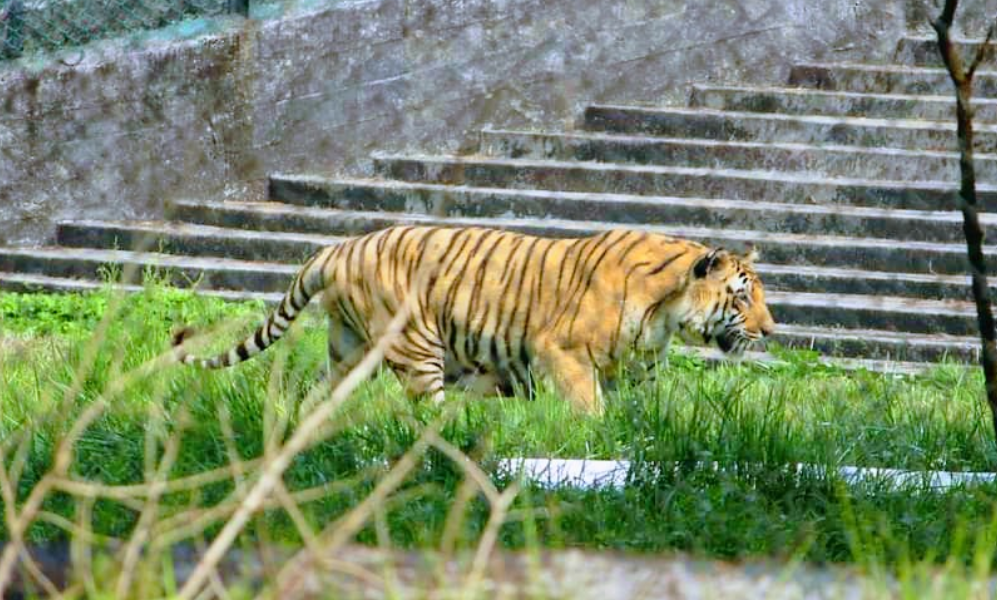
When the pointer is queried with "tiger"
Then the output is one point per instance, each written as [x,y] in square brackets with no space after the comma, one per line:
[493,309]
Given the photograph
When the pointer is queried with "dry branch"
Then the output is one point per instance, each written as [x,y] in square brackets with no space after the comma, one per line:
[275,467]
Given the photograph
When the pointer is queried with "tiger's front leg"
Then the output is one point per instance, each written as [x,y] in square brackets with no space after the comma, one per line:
[574,375]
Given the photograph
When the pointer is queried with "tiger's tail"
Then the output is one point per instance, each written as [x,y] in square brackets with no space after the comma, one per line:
[309,281]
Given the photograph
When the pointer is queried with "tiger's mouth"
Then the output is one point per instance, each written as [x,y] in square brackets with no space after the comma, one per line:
[725,341]
[733,342]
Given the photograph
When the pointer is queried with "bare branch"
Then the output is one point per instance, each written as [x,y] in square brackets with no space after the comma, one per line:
[302,439]
[190,523]
[951,58]
[341,531]
[470,468]
[141,532]
[948,12]
[500,509]
[467,490]
[981,52]
[127,493]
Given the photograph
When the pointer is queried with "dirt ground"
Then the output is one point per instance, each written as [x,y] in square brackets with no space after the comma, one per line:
[578,575]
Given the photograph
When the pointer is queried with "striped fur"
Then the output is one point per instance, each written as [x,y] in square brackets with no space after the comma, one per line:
[493,308]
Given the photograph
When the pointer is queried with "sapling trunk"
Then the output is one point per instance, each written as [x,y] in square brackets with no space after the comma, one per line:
[962,78]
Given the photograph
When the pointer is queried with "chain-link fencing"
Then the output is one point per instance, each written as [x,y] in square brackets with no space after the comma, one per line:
[28,26]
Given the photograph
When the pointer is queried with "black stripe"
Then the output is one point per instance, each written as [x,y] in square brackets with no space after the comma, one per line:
[505,291]
[578,272]
[332,253]
[364,282]
[542,272]
[283,314]
[422,247]
[588,282]
[470,341]
[396,259]
[242,351]
[452,337]
[475,336]
[448,304]
[626,251]
[564,263]
[649,313]
[664,264]
[497,358]
[517,295]
[348,268]
[614,340]
[516,243]
[447,262]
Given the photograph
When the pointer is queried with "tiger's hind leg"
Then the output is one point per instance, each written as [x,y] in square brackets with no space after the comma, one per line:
[418,359]
[485,383]
[346,349]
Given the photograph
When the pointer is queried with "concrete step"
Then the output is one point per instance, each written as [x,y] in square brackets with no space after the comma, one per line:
[890,79]
[922,51]
[831,280]
[878,346]
[31,283]
[776,248]
[826,160]
[735,184]
[911,134]
[807,219]
[888,313]
[191,239]
[800,308]
[806,101]
[218,241]
[131,267]
[370,196]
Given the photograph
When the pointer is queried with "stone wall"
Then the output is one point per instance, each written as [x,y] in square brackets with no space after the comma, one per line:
[115,130]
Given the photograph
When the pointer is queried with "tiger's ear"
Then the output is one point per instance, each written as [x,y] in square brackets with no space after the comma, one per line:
[750,254]
[708,262]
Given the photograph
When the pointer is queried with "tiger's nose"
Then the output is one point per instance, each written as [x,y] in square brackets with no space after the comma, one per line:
[767,329]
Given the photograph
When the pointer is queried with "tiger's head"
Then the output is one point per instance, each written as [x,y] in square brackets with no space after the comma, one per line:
[726,301]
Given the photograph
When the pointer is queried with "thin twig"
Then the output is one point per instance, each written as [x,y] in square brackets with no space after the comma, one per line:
[74,529]
[129,492]
[19,525]
[190,523]
[470,468]
[467,490]
[980,52]
[338,533]
[63,459]
[499,510]
[81,548]
[302,439]
[149,513]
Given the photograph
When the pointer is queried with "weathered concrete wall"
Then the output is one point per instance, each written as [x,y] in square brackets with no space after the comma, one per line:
[111,138]
[124,129]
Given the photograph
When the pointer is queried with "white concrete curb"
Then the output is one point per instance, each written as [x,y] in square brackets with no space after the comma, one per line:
[594,474]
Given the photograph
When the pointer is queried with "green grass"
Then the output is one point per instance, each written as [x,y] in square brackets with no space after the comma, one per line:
[751,420]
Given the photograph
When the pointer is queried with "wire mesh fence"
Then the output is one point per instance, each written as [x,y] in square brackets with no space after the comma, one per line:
[29,26]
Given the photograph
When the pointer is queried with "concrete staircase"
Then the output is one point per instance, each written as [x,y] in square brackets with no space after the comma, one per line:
[845,179]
